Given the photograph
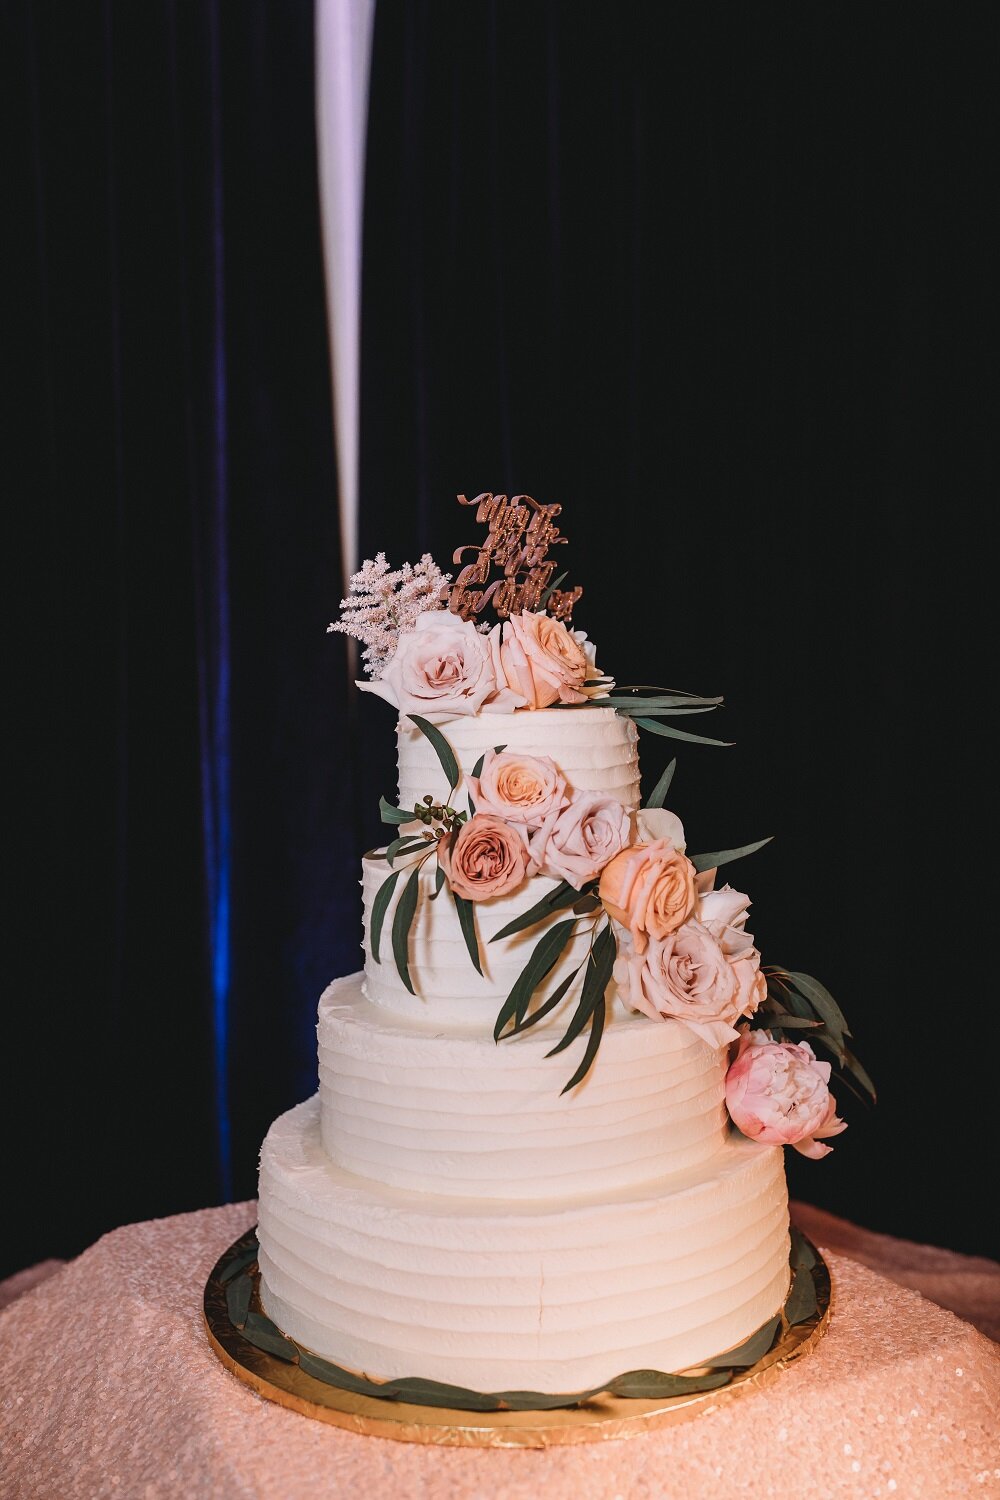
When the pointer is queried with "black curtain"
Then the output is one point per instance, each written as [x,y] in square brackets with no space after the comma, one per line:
[184,870]
[713,277]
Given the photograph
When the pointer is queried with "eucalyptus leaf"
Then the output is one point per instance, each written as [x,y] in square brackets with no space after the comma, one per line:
[588,903]
[436,1393]
[651,1385]
[748,1353]
[438,883]
[597,1018]
[240,1262]
[787,998]
[822,1002]
[853,1066]
[547,1006]
[689,701]
[379,908]
[801,1303]
[802,1256]
[401,923]
[546,595]
[442,749]
[600,963]
[726,856]
[405,845]
[831,1042]
[467,922]
[659,793]
[632,708]
[331,1374]
[564,895]
[392,814]
[791,1023]
[238,1294]
[264,1334]
[670,733]
[543,958]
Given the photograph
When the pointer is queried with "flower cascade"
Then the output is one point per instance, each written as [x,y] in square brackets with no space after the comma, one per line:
[664,938]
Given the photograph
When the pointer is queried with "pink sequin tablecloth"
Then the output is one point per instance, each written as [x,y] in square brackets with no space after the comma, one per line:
[109,1388]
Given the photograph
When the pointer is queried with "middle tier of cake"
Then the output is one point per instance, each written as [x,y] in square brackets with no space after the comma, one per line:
[441,1110]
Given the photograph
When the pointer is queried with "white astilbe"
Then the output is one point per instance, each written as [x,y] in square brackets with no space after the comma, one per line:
[381,604]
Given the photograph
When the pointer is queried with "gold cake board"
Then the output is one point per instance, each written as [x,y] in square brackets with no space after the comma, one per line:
[601,1418]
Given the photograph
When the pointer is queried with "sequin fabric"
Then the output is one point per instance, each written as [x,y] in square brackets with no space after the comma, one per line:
[109,1388]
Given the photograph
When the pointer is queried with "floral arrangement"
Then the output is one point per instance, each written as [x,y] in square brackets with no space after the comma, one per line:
[674,942]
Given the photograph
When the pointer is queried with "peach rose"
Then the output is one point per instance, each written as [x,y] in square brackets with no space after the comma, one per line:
[778,1093]
[487,858]
[443,668]
[684,976]
[528,789]
[650,889]
[585,837]
[541,661]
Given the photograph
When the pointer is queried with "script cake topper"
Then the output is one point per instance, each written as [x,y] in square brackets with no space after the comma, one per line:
[519,535]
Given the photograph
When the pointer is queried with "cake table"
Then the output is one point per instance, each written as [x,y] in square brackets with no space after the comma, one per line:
[110,1388]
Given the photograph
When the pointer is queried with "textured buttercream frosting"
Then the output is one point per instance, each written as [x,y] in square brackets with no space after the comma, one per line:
[441,1209]
[595,748]
[448,991]
[514,1294]
[408,1105]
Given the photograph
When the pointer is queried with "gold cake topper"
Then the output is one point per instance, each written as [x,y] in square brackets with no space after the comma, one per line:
[519,534]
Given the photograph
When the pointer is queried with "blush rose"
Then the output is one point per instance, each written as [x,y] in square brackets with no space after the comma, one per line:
[585,837]
[443,668]
[487,858]
[778,1093]
[684,976]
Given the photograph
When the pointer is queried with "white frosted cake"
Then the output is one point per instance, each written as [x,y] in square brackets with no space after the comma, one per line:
[440,1209]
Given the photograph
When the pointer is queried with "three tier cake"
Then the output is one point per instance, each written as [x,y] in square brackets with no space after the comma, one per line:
[522,1170]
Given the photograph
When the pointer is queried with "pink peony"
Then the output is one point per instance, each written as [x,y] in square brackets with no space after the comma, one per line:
[778,1093]
[443,668]
[684,976]
[487,858]
[585,837]
[541,661]
[650,889]
[528,789]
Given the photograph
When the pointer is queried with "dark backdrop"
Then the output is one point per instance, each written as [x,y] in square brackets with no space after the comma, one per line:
[715,278]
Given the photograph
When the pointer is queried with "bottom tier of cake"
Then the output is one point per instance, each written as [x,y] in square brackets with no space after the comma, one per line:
[554,1296]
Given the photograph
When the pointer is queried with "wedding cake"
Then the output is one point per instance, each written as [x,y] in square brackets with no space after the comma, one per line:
[547,1143]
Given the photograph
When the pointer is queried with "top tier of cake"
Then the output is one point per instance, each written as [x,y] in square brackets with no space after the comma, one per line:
[595,748]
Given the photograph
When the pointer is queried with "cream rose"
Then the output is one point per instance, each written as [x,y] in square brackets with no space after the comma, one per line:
[652,823]
[443,668]
[724,913]
[650,889]
[541,661]
[684,976]
[598,690]
[584,838]
[528,789]
[487,858]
